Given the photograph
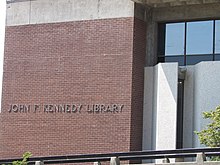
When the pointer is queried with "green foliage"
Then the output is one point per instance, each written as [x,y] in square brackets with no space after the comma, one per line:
[25,157]
[210,136]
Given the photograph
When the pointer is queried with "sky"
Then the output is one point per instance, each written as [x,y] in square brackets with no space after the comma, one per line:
[2,36]
[199,38]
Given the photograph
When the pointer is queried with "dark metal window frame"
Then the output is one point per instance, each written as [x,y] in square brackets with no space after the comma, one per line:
[185,57]
[180,113]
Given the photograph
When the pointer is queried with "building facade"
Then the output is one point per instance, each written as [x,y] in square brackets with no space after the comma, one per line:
[98,76]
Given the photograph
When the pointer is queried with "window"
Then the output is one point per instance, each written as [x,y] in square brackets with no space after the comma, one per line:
[189,42]
[217,40]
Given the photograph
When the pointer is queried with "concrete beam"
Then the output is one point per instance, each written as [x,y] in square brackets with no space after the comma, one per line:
[51,11]
[171,3]
[114,161]
[182,13]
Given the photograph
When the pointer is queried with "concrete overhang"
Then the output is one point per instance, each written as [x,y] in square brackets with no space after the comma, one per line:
[172,3]
[15,1]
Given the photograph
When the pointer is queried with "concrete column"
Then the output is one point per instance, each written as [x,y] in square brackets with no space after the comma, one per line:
[200,158]
[151,43]
[160,107]
[39,163]
[114,161]
[148,108]
[165,110]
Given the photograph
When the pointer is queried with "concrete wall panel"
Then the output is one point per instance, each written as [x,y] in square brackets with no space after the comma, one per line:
[50,11]
[114,9]
[206,96]
[160,106]
[18,13]
[148,108]
[201,93]
[166,106]
[62,10]
[188,107]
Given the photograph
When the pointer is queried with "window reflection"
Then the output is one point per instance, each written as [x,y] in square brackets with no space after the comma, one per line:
[174,44]
[199,38]
[189,43]
[179,59]
[217,57]
[217,36]
[194,59]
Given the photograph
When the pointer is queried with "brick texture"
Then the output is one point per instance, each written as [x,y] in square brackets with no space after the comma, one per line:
[82,62]
[139,51]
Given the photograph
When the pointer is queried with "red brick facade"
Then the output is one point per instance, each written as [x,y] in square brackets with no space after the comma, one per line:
[82,62]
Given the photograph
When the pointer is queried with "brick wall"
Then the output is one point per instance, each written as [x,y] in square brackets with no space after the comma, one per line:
[82,62]
[139,51]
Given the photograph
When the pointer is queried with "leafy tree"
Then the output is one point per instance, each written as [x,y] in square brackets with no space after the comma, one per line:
[210,136]
[24,161]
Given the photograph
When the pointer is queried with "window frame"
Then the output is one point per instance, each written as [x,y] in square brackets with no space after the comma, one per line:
[161,42]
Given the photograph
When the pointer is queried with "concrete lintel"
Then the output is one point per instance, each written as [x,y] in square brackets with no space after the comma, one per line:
[173,3]
[190,12]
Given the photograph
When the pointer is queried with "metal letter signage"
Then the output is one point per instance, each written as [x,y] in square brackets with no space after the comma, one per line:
[65,108]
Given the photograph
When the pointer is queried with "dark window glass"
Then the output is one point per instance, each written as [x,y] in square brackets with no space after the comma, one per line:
[199,38]
[179,59]
[194,59]
[174,39]
[217,57]
[217,36]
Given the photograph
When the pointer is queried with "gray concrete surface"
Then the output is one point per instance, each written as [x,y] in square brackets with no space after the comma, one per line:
[173,14]
[206,93]
[166,108]
[201,93]
[50,11]
[148,108]
[160,107]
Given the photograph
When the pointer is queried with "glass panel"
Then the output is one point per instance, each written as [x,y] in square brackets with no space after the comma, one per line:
[217,57]
[194,59]
[217,36]
[179,59]
[174,44]
[199,38]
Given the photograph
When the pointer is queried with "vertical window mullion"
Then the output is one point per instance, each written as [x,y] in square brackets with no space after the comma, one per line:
[213,48]
[185,35]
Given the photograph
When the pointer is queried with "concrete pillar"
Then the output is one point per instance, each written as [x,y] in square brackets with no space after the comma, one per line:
[151,43]
[165,106]
[200,158]
[39,163]
[166,160]
[114,161]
